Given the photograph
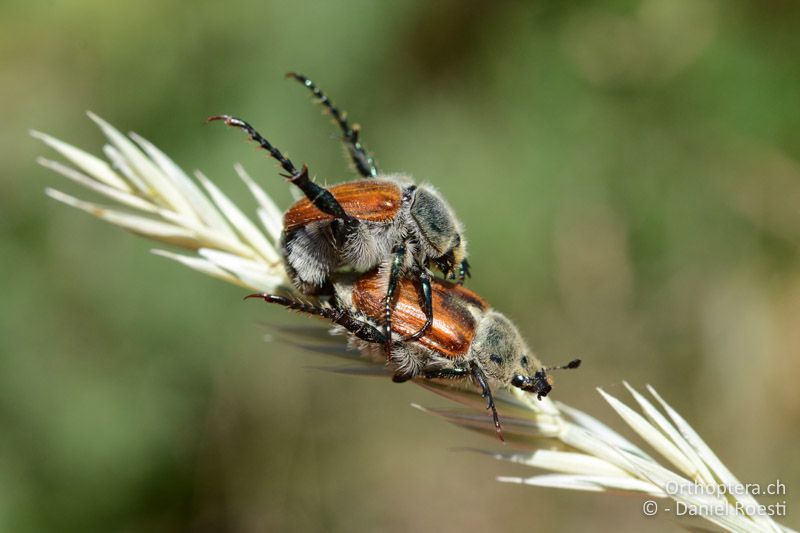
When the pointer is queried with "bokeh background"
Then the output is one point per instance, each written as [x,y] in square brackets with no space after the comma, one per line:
[629,175]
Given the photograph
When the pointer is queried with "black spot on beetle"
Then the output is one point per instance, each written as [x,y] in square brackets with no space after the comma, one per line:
[496,359]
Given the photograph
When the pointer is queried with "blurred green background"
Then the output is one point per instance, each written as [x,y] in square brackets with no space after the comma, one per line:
[629,175]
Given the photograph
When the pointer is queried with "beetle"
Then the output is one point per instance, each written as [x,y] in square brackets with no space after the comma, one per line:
[381,220]
[467,340]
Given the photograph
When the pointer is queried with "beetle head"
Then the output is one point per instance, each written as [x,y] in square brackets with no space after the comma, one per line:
[441,232]
[540,383]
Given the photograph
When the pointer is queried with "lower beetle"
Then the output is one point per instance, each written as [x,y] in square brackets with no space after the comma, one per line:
[467,340]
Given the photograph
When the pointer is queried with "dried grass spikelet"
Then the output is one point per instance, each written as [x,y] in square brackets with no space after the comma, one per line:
[154,198]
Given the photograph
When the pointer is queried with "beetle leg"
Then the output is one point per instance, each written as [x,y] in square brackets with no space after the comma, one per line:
[477,374]
[463,271]
[317,195]
[447,373]
[360,328]
[427,303]
[483,383]
[394,277]
[364,163]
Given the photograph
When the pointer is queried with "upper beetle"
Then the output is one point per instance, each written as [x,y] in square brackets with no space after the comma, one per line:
[467,340]
[379,221]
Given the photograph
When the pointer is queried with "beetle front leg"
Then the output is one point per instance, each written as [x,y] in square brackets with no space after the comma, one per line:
[463,271]
[480,379]
[483,383]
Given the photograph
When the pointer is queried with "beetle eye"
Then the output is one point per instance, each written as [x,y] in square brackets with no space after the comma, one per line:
[518,381]
[524,361]
[496,359]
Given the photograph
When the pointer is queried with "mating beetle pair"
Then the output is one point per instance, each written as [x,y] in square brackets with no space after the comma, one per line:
[375,221]
[390,231]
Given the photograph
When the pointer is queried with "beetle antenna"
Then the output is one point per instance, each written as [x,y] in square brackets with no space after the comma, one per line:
[364,163]
[575,363]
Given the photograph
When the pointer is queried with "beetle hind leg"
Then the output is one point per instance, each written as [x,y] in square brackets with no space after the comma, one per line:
[316,194]
[358,327]
[364,163]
